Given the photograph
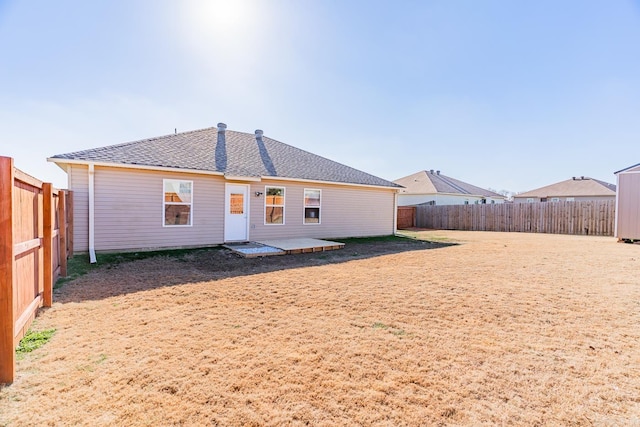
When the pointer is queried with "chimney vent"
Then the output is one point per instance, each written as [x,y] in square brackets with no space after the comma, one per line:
[437,172]
[582,177]
[573,177]
[431,171]
[259,134]
[222,127]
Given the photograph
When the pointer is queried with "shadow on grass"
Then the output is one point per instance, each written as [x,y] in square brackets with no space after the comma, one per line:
[123,273]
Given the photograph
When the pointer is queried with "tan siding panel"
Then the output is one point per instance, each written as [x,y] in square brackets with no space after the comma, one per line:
[79,183]
[629,206]
[345,212]
[129,212]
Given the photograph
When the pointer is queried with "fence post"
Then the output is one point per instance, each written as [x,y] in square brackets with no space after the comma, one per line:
[7,349]
[47,242]
[62,232]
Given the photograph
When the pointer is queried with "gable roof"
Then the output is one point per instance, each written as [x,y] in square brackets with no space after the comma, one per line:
[633,168]
[576,186]
[228,153]
[431,182]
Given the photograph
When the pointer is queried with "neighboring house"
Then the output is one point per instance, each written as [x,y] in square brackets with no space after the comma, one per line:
[576,189]
[628,203]
[211,186]
[434,188]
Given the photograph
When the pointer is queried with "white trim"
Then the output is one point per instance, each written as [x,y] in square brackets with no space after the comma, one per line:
[628,172]
[164,203]
[126,166]
[60,162]
[247,212]
[264,210]
[304,207]
[92,225]
[313,181]
[242,178]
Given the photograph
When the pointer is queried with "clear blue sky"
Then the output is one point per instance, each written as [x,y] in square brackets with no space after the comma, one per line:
[509,95]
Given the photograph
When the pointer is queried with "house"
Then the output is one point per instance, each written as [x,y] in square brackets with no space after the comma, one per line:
[211,186]
[437,189]
[576,189]
[628,203]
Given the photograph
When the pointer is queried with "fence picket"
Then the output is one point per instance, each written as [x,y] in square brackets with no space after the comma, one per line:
[581,218]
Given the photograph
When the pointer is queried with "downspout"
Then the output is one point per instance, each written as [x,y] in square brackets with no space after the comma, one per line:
[92,243]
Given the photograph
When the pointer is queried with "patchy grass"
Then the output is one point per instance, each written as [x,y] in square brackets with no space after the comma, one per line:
[430,236]
[506,329]
[33,340]
[79,265]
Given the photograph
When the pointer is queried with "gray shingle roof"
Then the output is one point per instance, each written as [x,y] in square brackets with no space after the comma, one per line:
[234,154]
[431,182]
[576,186]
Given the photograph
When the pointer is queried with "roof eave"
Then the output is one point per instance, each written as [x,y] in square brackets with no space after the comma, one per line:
[61,161]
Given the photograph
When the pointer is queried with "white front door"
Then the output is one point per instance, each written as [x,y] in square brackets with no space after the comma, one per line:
[236,212]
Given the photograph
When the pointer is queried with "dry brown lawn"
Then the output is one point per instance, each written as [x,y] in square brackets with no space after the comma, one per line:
[502,329]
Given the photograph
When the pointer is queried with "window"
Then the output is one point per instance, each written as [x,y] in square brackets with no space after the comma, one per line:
[530,200]
[177,202]
[311,206]
[543,199]
[571,199]
[274,205]
[236,203]
[555,199]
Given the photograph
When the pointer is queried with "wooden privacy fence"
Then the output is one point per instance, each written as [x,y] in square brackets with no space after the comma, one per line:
[406,217]
[35,222]
[596,218]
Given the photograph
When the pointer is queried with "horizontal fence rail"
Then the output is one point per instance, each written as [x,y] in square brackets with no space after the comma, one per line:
[594,218]
[34,225]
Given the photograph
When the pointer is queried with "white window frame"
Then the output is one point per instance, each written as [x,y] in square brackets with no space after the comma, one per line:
[284,201]
[571,199]
[165,203]
[555,199]
[530,200]
[305,207]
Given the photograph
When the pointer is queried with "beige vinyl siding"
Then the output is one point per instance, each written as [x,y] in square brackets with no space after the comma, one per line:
[628,215]
[78,178]
[129,210]
[345,212]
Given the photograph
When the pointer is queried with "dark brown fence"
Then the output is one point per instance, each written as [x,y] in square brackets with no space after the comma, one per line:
[34,225]
[596,218]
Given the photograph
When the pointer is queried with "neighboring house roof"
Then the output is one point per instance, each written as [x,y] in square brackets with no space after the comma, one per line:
[577,186]
[430,182]
[628,169]
[226,152]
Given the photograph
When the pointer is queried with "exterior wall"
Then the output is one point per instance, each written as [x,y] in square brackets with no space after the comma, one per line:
[345,212]
[442,199]
[129,210]
[517,199]
[78,181]
[628,205]
[129,214]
